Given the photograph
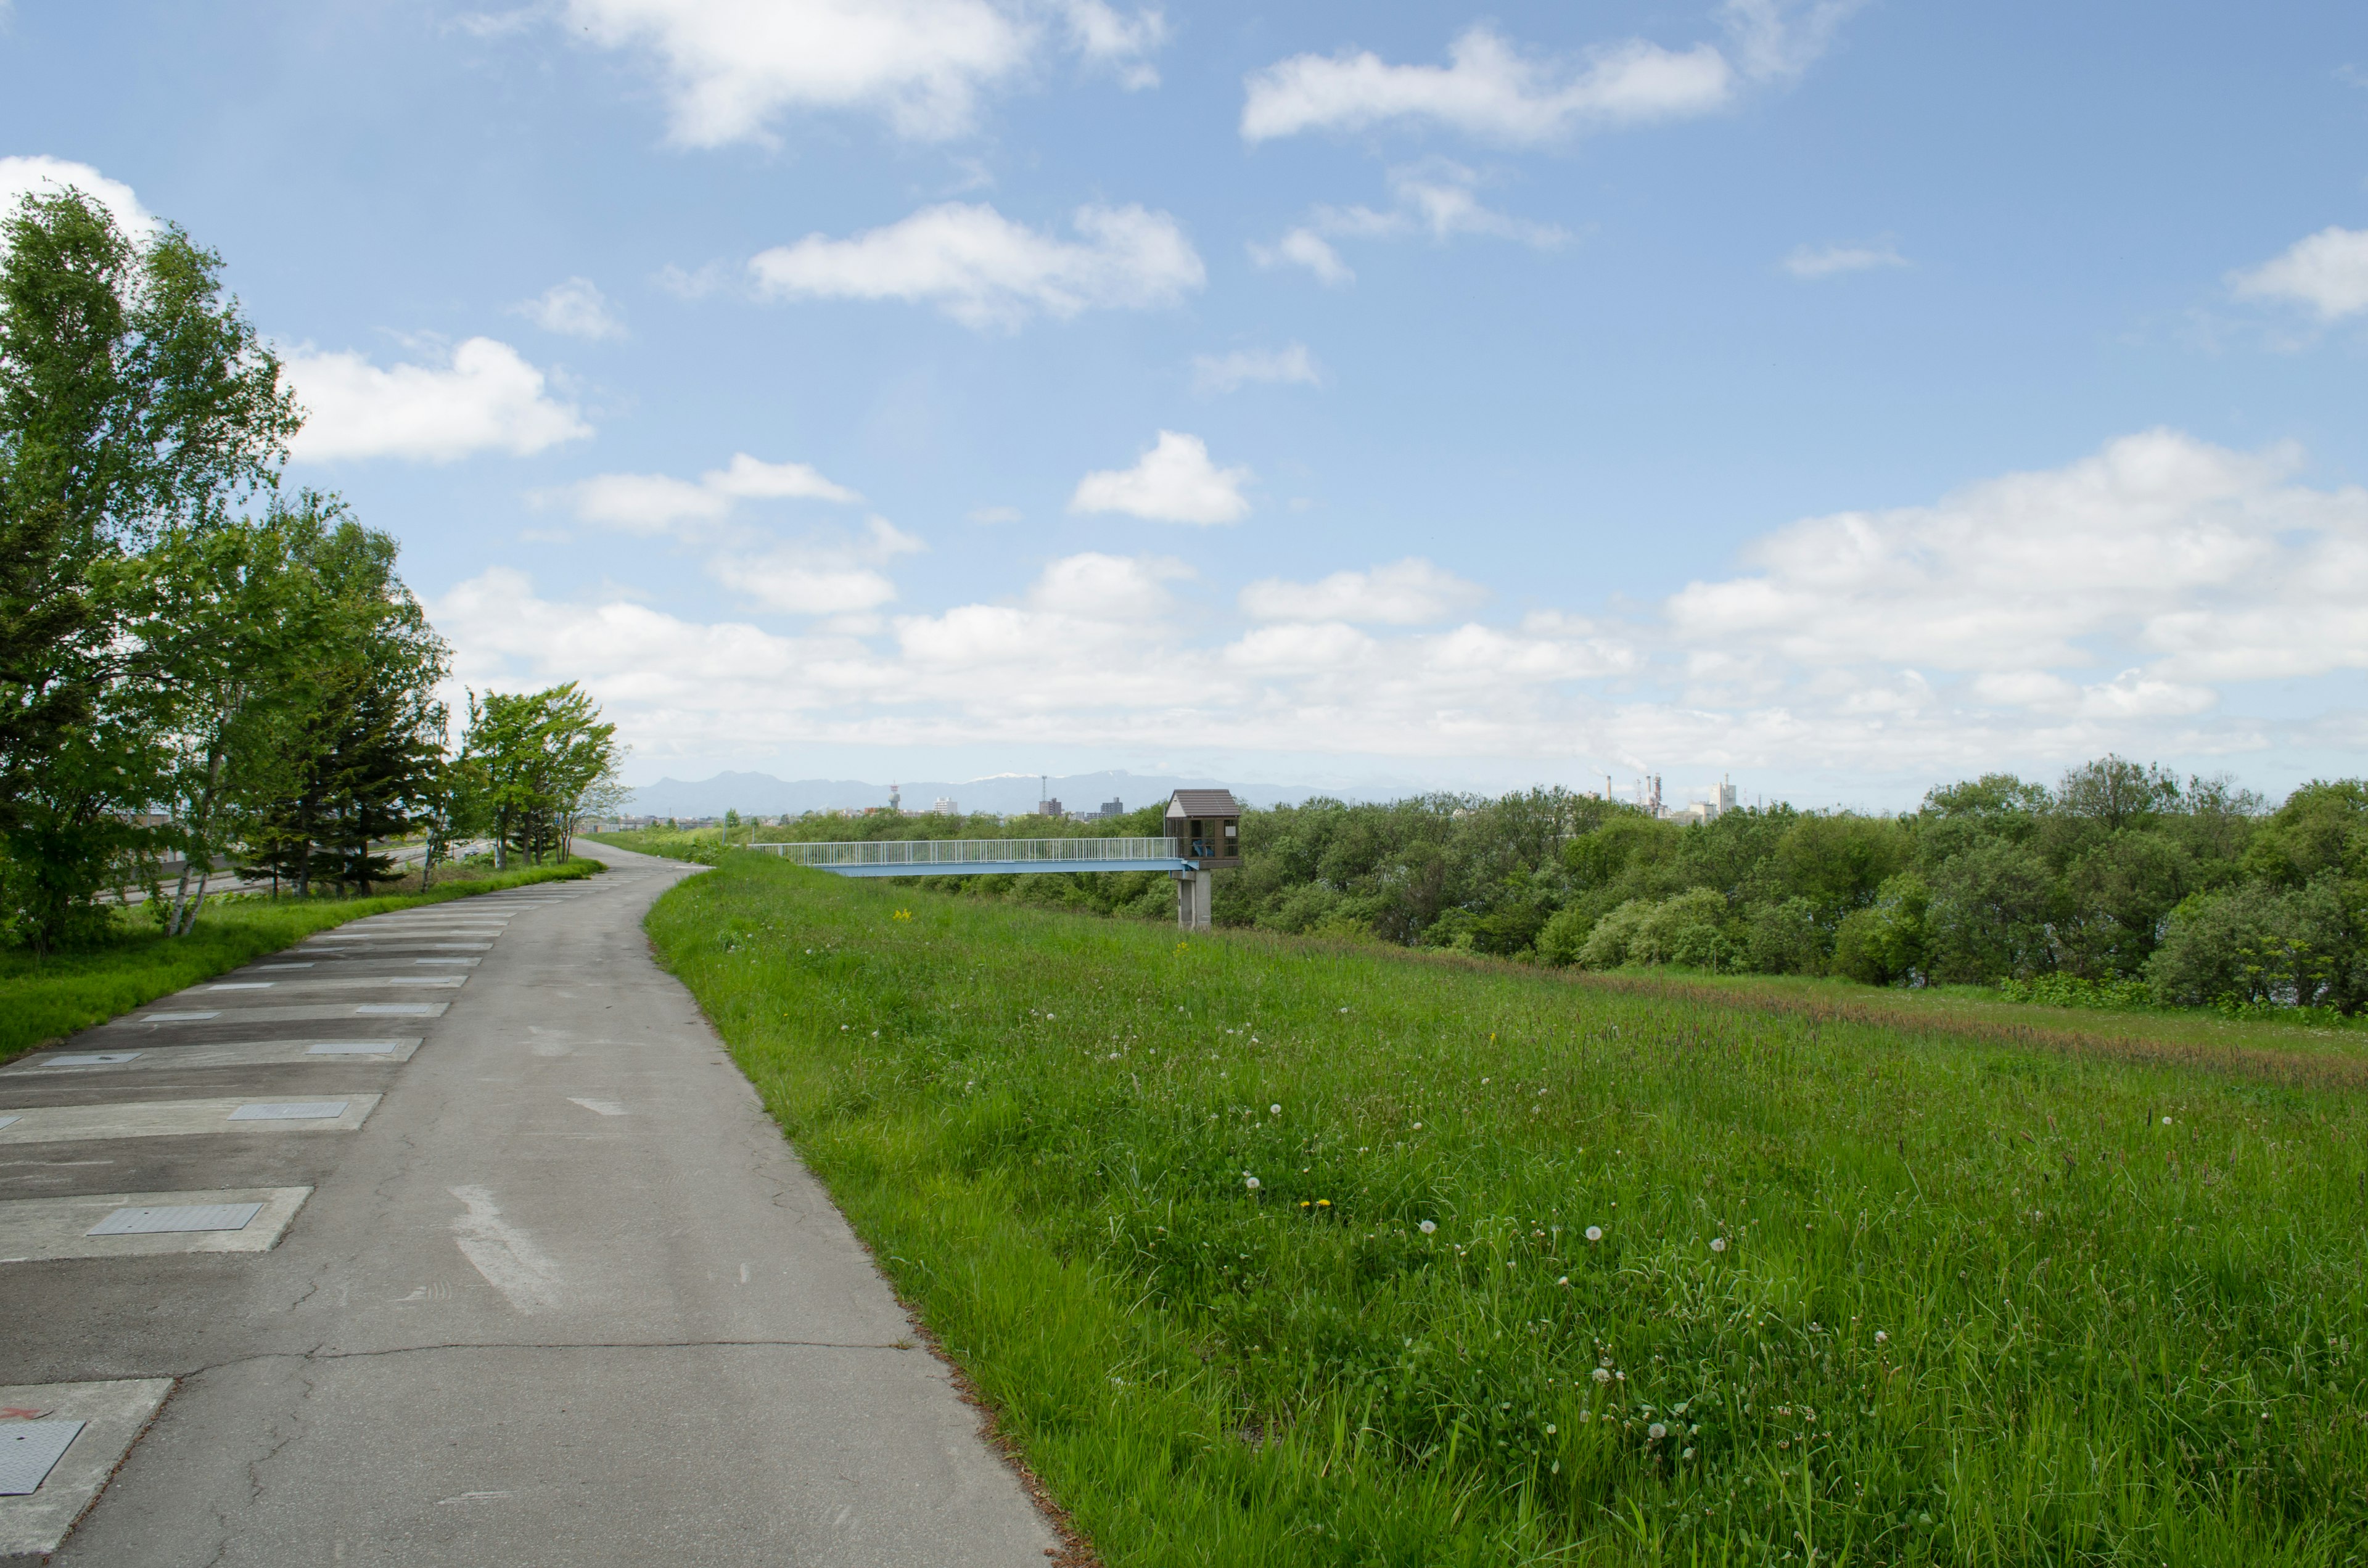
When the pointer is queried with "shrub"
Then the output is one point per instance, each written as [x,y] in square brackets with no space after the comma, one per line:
[1607,946]
[1785,938]
[1560,939]
[1884,942]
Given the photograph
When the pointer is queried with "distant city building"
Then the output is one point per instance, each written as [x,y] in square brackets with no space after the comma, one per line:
[1114,809]
[1049,808]
[1721,801]
[946,808]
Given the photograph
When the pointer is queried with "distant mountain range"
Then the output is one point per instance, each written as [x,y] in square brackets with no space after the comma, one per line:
[1005,794]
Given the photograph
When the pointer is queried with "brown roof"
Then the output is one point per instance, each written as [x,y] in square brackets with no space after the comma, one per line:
[1203,804]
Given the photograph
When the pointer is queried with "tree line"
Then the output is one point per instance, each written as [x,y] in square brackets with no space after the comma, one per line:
[2120,883]
[199,670]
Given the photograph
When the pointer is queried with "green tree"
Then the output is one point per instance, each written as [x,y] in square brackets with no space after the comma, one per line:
[133,397]
[360,739]
[543,754]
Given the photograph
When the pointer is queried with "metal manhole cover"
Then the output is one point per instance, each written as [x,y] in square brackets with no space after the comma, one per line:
[315,1111]
[29,1450]
[164,1219]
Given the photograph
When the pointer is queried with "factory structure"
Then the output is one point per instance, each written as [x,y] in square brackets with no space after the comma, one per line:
[1648,801]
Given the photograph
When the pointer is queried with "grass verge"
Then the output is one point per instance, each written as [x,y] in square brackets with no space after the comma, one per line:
[48,998]
[1543,1272]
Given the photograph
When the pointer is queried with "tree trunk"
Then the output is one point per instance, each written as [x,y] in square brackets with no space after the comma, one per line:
[200,851]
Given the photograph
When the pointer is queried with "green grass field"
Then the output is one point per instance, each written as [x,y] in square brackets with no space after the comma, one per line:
[1540,1270]
[48,998]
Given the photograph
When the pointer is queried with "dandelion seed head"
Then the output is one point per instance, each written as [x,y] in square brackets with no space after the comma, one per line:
[1657,1431]
[1602,1374]
[1428,1226]
[1880,1336]
[1595,1233]
[1274,1110]
[1718,1243]
[1251,1182]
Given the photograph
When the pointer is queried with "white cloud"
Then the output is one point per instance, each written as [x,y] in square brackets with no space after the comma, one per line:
[1289,365]
[2206,558]
[36,176]
[985,271]
[1121,43]
[648,503]
[1411,592]
[2328,272]
[2035,617]
[1777,39]
[1174,483]
[1488,90]
[1111,587]
[748,478]
[734,68]
[1436,196]
[486,398]
[1809,264]
[1305,247]
[655,503]
[789,581]
[826,574]
[574,308]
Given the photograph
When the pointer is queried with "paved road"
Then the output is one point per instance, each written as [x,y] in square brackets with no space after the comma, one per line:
[558,1294]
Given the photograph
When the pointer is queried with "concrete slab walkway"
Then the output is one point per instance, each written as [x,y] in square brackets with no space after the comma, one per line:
[564,1297]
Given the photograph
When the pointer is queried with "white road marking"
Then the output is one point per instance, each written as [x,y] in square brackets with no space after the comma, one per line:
[601,1108]
[505,1255]
[174,1018]
[114,1414]
[42,1228]
[172,1119]
[243,986]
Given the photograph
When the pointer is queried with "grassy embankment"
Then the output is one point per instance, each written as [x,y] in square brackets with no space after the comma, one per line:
[1881,1291]
[43,999]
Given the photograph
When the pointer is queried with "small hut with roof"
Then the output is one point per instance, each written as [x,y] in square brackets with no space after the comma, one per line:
[1207,827]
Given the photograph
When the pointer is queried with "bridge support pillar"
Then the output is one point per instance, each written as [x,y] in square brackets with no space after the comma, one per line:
[1193,901]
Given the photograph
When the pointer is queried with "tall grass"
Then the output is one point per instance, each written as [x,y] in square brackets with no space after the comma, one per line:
[49,997]
[1541,1271]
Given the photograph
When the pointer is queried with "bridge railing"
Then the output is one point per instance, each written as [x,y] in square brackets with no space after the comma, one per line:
[922,854]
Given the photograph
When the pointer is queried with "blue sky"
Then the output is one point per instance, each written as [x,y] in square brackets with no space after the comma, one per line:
[1840,396]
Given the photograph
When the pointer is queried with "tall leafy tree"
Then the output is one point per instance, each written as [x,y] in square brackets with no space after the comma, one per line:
[545,755]
[133,397]
[358,736]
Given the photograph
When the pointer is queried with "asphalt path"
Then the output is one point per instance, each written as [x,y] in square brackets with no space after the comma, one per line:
[498,1261]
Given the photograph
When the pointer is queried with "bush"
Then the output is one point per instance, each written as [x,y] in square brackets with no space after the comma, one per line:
[1785,938]
[1687,924]
[1607,946]
[2257,946]
[1885,943]
[1562,937]
[2071,990]
[1683,929]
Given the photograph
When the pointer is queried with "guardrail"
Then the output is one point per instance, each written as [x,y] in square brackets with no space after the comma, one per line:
[981,857]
